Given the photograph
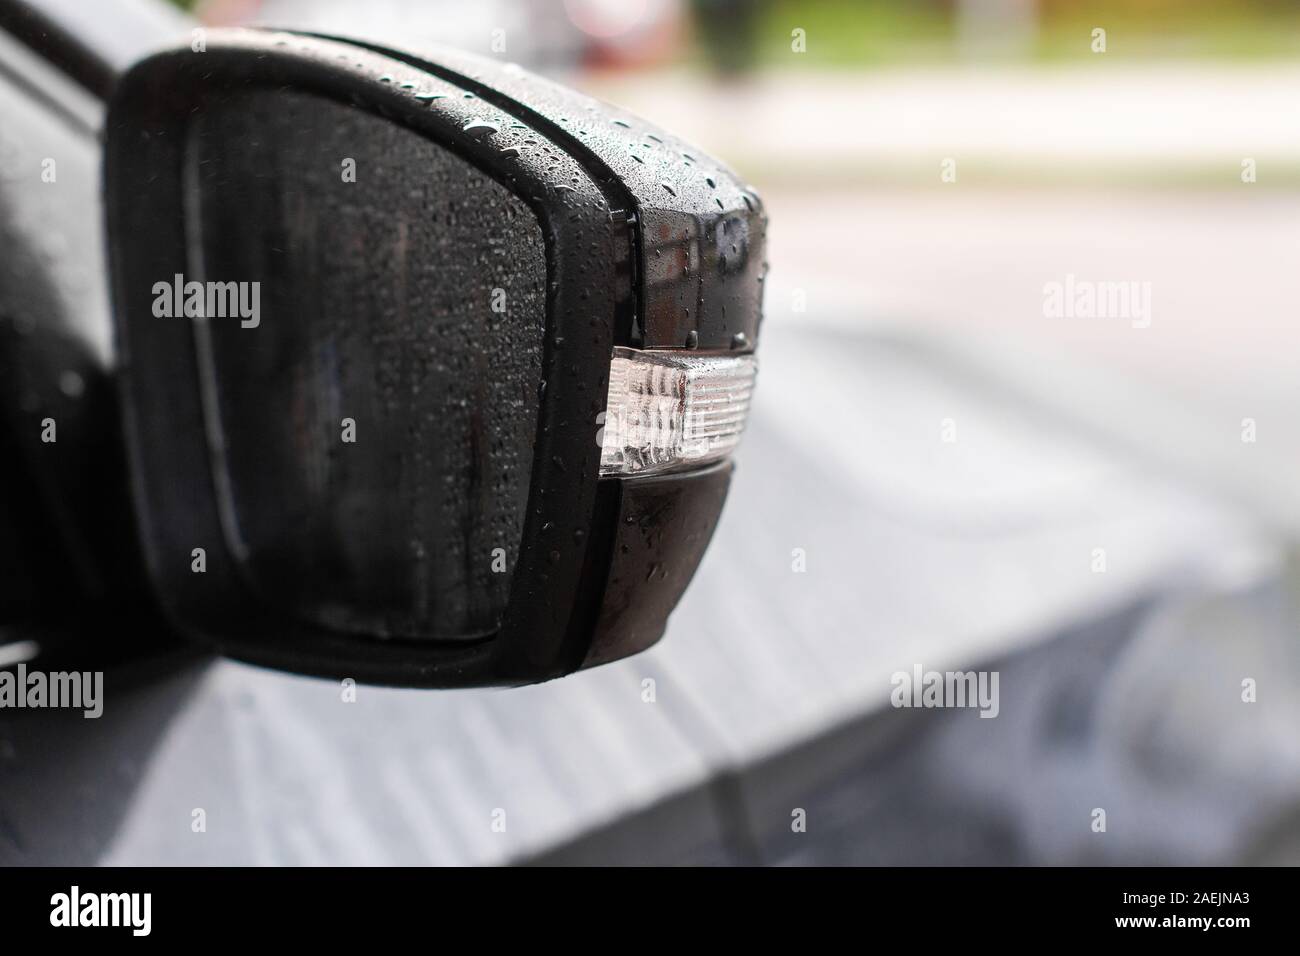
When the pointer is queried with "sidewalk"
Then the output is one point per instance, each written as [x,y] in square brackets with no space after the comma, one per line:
[1168,124]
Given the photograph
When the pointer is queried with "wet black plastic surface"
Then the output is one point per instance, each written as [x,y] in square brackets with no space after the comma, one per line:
[701,230]
[663,525]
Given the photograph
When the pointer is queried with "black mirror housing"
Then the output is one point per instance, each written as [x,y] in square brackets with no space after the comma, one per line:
[469,537]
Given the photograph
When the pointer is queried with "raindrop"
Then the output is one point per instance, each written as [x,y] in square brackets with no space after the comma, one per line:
[71,384]
[481,128]
[669,187]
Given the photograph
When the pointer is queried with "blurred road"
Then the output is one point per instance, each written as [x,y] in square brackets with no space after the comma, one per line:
[964,271]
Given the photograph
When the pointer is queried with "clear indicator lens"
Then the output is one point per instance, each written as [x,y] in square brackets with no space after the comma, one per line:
[669,410]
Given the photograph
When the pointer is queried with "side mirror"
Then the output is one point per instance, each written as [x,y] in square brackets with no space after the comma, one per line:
[431,367]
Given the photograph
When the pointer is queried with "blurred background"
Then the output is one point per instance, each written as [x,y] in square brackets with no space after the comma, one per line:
[941,470]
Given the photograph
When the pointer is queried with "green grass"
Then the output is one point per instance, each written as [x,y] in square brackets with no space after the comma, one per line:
[880,32]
